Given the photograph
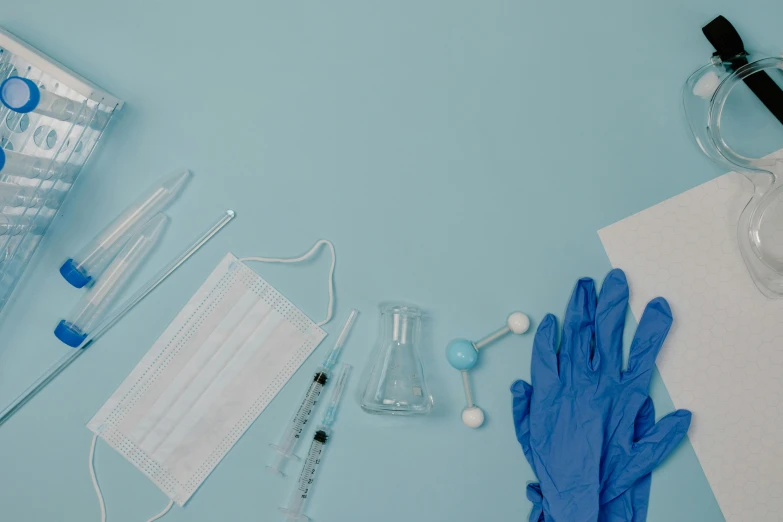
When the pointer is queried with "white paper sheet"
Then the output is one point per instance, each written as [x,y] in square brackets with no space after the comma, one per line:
[724,356]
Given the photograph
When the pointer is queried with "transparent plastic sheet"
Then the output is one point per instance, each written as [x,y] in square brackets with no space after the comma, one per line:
[44,154]
[734,128]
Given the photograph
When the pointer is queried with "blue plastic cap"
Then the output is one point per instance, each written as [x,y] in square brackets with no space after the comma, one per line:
[20,94]
[74,275]
[70,334]
[2,158]
[462,354]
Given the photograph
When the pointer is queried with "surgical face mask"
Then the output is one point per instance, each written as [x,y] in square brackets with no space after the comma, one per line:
[206,379]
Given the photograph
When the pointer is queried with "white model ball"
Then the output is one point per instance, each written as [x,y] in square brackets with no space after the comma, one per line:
[518,323]
[472,417]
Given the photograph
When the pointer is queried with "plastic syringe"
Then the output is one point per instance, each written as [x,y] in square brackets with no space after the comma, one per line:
[288,442]
[295,508]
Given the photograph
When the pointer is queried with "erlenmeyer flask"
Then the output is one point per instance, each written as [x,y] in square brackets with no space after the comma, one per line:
[396,384]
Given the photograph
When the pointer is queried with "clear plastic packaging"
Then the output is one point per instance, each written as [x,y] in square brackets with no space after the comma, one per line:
[42,153]
[14,226]
[90,310]
[396,384]
[87,265]
[734,128]
[23,166]
[22,95]
[14,195]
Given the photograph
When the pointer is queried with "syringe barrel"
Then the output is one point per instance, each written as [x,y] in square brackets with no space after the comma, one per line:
[295,427]
[89,311]
[89,263]
[293,431]
[302,415]
[309,470]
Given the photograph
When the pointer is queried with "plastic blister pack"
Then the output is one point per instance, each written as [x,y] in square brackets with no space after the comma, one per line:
[50,121]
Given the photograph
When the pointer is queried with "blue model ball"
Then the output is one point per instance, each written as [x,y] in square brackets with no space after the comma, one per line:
[461,354]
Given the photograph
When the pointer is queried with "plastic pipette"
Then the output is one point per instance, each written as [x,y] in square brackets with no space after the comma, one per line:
[288,442]
[56,369]
[294,511]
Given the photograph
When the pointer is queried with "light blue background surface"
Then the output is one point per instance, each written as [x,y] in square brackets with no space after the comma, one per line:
[461,155]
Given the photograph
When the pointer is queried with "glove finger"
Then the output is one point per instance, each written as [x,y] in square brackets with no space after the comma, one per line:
[610,323]
[578,331]
[653,328]
[619,509]
[534,495]
[645,419]
[537,514]
[617,502]
[657,443]
[522,393]
[641,498]
[543,367]
[639,494]
[631,506]
[660,440]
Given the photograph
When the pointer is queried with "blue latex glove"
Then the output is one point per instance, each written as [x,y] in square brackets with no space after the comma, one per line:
[576,423]
[631,506]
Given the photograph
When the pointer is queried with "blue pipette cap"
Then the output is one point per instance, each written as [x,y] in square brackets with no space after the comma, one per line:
[20,94]
[75,275]
[69,334]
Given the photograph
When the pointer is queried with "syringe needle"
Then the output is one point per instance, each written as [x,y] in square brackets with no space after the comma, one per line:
[331,412]
[331,359]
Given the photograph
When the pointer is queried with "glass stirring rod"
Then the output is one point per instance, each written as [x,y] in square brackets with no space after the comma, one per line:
[294,511]
[288,442]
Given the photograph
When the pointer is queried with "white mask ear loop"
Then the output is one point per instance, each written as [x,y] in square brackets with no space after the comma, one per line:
[95,485]
[310,253]
[99,493]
